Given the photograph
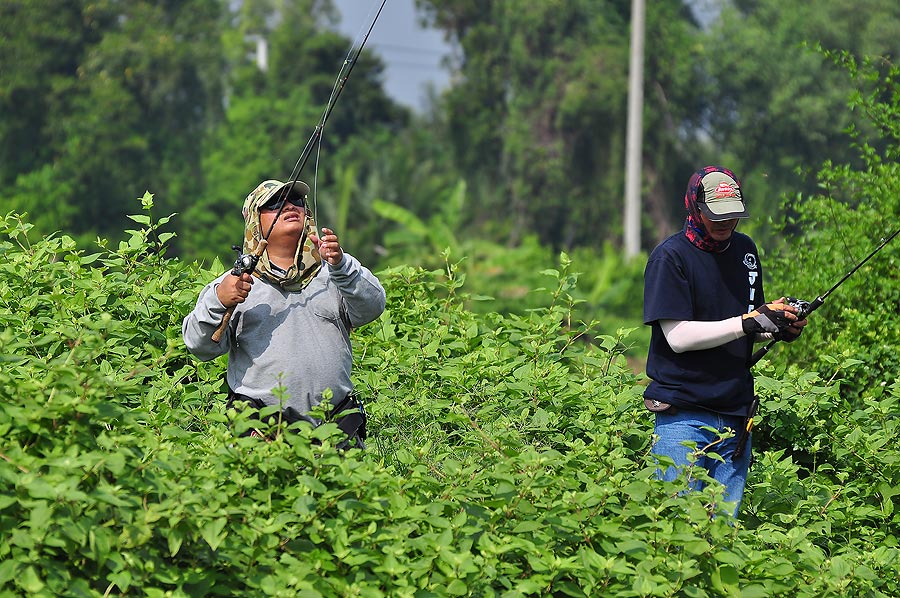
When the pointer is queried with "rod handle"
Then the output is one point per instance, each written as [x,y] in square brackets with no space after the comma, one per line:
[217,334]
[761,353]
[241,266]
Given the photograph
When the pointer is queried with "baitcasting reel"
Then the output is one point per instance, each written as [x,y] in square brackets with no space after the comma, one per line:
[801,305]
[245,262]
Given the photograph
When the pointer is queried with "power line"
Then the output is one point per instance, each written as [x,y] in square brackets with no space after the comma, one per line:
[413,65]
[409,49]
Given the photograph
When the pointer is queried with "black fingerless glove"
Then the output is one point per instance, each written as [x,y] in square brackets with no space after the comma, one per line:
[786,335]
[765,319]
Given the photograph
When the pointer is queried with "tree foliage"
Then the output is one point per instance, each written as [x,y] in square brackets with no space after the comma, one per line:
[39,63]
[121,92]
[536,118]
[777,106]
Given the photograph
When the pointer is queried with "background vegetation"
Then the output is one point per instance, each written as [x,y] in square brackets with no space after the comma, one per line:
[102,101]
[509,449]
[519,159]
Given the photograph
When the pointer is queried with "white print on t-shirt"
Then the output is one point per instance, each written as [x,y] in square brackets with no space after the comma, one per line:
[750,262]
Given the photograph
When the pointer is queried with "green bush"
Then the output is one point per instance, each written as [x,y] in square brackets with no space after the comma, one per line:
[508,456]
[828,235]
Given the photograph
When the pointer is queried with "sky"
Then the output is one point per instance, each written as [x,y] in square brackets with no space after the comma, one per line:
[411,54]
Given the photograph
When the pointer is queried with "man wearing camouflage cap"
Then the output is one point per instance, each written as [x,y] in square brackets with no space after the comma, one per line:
[292,317]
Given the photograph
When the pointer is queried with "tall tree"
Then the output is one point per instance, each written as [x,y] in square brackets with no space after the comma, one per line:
[537,114]
[777,106]
[115,100]
[40,46]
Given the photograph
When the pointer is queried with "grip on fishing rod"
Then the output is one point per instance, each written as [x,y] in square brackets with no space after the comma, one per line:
[761,353]
[217,335]
[805,309]
[243,264]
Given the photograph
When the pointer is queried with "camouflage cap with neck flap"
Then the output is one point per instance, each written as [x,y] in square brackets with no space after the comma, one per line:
[307,260]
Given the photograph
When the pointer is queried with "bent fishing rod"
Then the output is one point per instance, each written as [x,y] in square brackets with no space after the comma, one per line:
[246,262]
[807,307]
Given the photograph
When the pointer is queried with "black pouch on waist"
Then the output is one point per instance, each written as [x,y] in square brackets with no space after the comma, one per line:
[350,416]
[658,406]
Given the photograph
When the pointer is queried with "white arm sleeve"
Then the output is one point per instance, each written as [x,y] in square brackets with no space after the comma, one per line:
[685,335]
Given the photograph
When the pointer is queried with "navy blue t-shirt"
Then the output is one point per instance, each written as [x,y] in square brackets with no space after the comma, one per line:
[683,282]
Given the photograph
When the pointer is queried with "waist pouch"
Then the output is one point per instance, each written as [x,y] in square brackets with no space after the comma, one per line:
[658,406]
[348,413]
[350,416]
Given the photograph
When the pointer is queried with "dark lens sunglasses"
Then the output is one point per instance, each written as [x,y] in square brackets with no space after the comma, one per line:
[276,204]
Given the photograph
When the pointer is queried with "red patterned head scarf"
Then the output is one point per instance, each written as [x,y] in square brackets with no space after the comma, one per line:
[693,225]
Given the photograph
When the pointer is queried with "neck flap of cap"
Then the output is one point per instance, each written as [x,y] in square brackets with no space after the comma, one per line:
[307,260]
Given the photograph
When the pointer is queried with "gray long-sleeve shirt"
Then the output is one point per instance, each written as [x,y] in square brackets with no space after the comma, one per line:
[296,340]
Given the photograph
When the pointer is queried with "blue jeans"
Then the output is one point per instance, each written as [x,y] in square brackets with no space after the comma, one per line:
[681,426]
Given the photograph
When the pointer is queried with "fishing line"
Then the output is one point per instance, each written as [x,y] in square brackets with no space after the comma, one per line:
[331,98]
[316,137]
[840,230]
[357,43]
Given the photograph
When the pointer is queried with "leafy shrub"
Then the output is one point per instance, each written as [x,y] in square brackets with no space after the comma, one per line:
[508,456]
[836,231]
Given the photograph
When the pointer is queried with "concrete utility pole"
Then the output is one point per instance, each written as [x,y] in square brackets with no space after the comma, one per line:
[262,51]
[634,134]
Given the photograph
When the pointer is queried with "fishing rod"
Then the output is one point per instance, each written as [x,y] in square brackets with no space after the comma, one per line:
[246,262]
[806,307]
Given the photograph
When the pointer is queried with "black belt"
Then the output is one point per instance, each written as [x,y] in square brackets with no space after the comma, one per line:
[349,414]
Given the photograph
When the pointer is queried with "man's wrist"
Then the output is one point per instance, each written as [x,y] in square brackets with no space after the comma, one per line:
[340,265]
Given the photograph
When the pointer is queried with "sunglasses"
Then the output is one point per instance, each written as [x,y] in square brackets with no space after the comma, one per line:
[276,204]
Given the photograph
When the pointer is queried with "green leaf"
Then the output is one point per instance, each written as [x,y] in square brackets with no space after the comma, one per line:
[755,591]
[401,216]
[841,567]
[725,579]
[121,579]
[7,571]
[214,532]
[637,490]
[175,538]
[526,527]
[30,581]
